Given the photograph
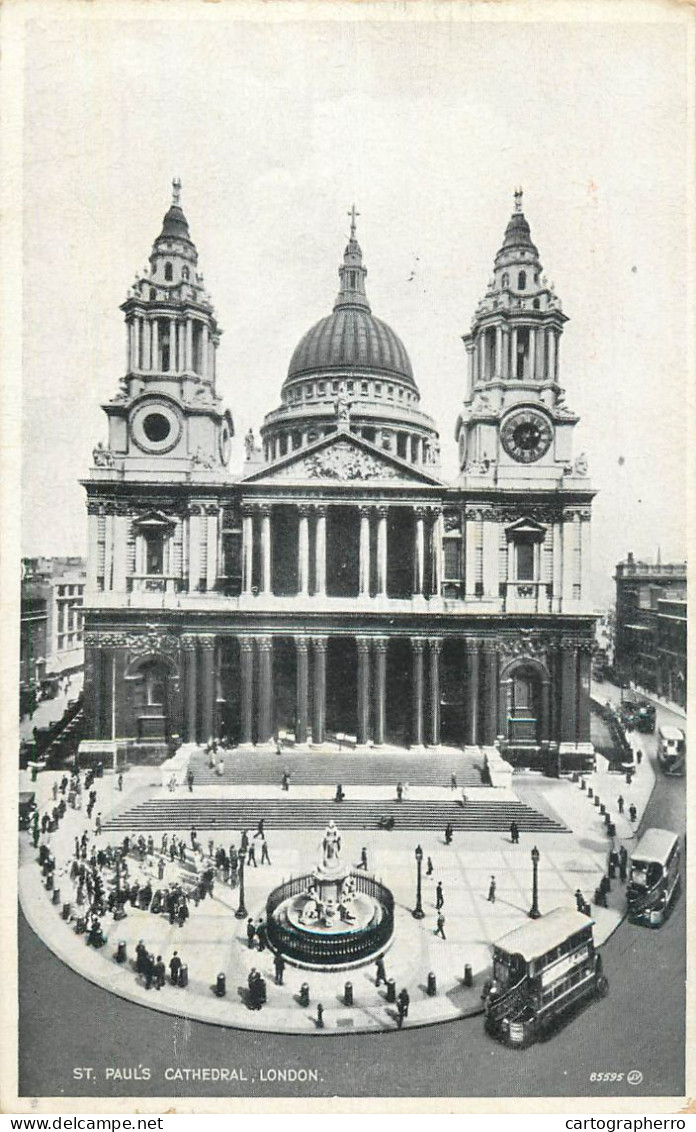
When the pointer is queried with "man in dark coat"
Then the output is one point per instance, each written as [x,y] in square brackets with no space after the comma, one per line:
[159,973]
[381,971]
[251,932]
[279,964]
[403,1001]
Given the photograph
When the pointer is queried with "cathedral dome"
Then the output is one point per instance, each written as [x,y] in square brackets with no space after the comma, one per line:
[351,339]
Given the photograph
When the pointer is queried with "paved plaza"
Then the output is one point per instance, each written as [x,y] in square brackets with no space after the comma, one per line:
[214,941]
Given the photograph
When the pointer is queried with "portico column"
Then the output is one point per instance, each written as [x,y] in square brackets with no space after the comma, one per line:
[208,686]
[246,656]
[532,353]
[172,346]
[189,345]
[303,552]
[302,690]
[472,683]
[469,369]
[319,698]
[544,712]
[247,548]
[204,350]
[583,717]
[364,589]
[505,360]
[92,547]
[419,580]
[489,722]
[320,552]
[434,648]
[498,351]
[382,551]
[380,707]
[409,447]
[437,551]
[265,717]
[568,693]
[266,549]
[513,353]
[181,336]
[363,736]
[417,647]
[188,644]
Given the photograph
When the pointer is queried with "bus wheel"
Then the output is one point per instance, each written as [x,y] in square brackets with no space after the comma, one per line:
[602,986]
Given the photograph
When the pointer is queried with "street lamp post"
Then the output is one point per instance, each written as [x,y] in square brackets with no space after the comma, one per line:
[119,911]
[418,912]
[241,912]
[534,912]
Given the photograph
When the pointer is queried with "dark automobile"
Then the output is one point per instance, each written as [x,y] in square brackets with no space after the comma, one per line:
[27,805]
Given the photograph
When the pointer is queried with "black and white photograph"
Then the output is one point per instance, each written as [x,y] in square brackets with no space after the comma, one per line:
[348,386]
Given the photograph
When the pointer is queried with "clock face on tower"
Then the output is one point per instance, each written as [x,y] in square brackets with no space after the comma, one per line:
[526,435]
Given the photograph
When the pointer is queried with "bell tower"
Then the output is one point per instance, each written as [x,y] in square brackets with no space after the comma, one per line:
[515,425]
[166,414]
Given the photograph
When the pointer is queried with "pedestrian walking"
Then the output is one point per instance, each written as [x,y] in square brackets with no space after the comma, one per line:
[193,835]
[440,929]
[363,859]
[632,813]
[340,793]
[514,833]
[279,964]
[453,781]
[175,966]
[159,973]
[265,859]
[620,803]
[251,855]
[160,869]
[579,900]
[286,780]
[449,833]
[381,971]
[251,933]
[399,792]
[189,781]
[639,757]
[491,891]
[98,824]
[403,1001]
[120,781]
[439,898]
[429,867]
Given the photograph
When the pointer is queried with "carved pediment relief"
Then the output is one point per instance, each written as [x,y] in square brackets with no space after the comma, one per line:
[343,460]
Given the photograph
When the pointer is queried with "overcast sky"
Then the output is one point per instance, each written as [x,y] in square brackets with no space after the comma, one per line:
[275,129]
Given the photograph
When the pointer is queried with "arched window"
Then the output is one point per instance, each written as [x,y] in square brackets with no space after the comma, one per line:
[522,280]
[185,273]
[168,272]
[506,280]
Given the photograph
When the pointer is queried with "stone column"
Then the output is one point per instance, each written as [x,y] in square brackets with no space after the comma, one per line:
[585,561]
[584,669]
[382,551]
[545,711]
[417,732]
[195,521]
[265,717]
[568,532]
[469,369]
[472,684]
[204,350]
[419,578]
[303,551]
[489,721]
[189,345]
[120,552]
[189,647]
[505,371]
[265,549]
[155,366]
[491,584]
[320,552]
[498,351]
[409,448]
[470,557]
[319,698]
[247,547]
[434,650]
[436,514]
[513,352]
[212,555]
[181,335]
[364,586]
[363,644]
[172,345]
[208,686]
[246,657]
[92,547]
[302,690]
[380,705]
[532,352]
[568,693]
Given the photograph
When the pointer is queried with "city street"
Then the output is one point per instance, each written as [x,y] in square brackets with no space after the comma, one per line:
[639,1027]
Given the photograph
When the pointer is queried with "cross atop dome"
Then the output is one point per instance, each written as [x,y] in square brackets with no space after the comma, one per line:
[176,191]
[518,199]
[353,214]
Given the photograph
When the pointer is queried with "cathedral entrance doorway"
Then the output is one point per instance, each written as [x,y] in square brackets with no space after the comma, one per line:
[342,551]
[524,694]
[152,700]
[341,686]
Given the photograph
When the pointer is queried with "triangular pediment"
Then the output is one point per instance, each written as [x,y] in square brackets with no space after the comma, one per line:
[526,526]
[341,457]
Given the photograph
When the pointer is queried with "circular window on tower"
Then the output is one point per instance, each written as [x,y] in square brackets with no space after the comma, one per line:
[155,426]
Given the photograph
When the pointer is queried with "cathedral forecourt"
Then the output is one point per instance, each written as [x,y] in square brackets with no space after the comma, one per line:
[330,638]
[336,586]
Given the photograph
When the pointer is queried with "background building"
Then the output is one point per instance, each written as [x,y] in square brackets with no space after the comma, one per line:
[52,596]
[337,586]
[651,626]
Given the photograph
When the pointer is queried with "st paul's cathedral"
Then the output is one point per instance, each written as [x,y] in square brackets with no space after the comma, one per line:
[336,591]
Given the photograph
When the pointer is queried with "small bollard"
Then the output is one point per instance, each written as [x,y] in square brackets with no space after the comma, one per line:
[607,819]
[583,784]
[348,994]
[320,1016]
[432,984]
[590,792]
[468,976]
[66,912]
[49,881]
[304,995]
[602,809]
[183,975]
[391,990]
[121,951]
[220,986]
[596,800]
[56,896]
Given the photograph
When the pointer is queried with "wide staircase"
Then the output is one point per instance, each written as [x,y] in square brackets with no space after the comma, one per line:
[257,768]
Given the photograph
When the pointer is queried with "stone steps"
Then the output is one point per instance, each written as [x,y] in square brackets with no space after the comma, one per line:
[256,768]
[314,813]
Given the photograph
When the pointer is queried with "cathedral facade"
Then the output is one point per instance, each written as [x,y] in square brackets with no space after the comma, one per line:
[336,590]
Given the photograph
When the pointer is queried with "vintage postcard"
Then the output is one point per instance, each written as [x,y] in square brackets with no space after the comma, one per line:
[347,393]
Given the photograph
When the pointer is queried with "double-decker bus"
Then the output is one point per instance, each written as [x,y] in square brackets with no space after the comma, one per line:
[671,749]
[654,878]
[540,970]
